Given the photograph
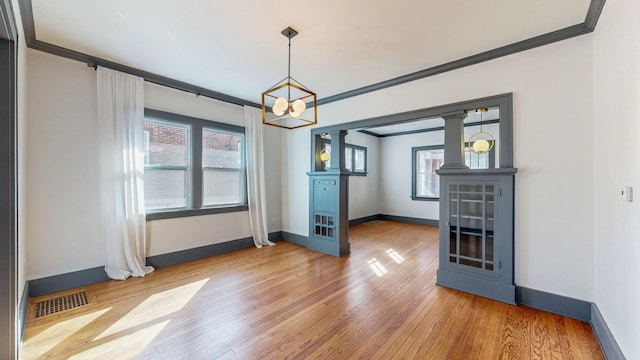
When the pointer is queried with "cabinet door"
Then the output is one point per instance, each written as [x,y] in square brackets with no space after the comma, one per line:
[324,195]
[470,227]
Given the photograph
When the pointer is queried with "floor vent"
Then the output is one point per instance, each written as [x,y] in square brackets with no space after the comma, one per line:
[60,303]
[374,222]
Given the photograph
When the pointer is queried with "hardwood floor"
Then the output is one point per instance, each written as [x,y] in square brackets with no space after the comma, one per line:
[287,302]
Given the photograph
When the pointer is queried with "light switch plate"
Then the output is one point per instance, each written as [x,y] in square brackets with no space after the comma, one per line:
[627,193]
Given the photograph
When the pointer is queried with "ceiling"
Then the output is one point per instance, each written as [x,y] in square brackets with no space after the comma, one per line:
[235,47]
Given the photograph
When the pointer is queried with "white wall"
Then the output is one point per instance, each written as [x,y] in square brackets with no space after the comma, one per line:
[62,210]
[395,183]
[552,88]
[364,190]
[616,109]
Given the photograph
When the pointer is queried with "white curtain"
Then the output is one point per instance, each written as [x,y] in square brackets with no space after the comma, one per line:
[120,126]
[256,190]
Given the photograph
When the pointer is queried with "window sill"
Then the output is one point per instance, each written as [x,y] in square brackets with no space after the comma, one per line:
[358,173]
[172,214]
[421,198]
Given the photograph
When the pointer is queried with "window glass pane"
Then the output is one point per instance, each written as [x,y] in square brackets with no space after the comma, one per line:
[222,187]
[166,159]
[476,161]
[167,145]
[221,150]
[359,160]
[223,174]
[164,189]
[427,182]
[347,158]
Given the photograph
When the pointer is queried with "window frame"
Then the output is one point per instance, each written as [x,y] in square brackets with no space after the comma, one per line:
[195,178]
[353,148]
[414,152]
[353,170]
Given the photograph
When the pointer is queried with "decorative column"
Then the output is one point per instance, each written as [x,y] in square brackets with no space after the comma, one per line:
[454,140]
[337,161]
[329,203]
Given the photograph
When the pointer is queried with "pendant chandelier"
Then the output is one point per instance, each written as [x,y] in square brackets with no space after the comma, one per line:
[481,142]
[285,104]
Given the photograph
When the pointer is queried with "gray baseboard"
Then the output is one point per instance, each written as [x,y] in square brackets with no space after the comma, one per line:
[576,309]
[199,252]
[402,219]
[607,342]
[556,304]
[51,284]
[275,236]
[409,220]
[295,238]
[363,220]
[61,282]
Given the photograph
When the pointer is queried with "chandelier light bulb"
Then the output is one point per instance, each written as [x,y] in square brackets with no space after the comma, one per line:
[297,108]
[280,106]
[481,146]
[325,155]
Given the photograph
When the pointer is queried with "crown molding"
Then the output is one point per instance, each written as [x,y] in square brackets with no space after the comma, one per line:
[589,25]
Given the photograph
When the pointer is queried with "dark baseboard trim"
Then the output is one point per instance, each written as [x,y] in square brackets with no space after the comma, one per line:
[55,283]
[607,342]
[363,220]
[295,238]
[275,236]
[206,251]
[576,309]
[402,219]
[556,304]
[51,284]
[199,252]
[409,220]
[23,308]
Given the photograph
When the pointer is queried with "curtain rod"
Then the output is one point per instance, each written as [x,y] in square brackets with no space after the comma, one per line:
[196,93]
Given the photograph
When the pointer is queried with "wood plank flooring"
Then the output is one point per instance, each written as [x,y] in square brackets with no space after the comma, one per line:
[287,302]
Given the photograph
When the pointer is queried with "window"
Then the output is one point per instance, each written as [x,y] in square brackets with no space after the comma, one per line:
[223,168]
[167,164]
[427,159]
[192,166]
[355,158]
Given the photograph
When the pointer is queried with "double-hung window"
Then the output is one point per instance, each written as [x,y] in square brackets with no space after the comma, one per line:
[222,168]
[355,158]
[192,166]
[426,160]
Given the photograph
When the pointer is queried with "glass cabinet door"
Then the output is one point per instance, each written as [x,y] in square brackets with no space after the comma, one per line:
[471,226]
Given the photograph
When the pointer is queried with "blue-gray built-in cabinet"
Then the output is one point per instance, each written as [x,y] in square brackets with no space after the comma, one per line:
[328,232]
[476,215]
[476,232]
[329,200]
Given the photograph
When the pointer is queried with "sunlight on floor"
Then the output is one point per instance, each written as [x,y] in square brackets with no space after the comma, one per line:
[395,256]
[155,307]
[57,333]
[125,347]
[377,267]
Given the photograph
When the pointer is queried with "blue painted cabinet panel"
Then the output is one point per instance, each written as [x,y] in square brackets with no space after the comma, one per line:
[328,213]
[325,195]
[476,233]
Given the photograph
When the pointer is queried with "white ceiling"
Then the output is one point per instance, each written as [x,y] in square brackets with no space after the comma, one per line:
[235,47]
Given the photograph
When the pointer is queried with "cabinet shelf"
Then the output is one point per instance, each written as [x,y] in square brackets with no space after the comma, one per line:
[472,232]
[470,217]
